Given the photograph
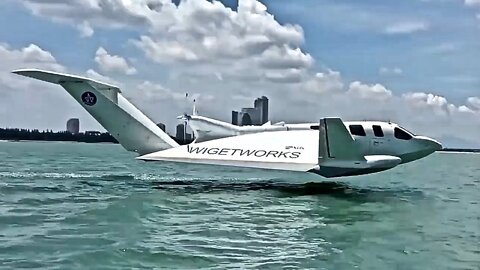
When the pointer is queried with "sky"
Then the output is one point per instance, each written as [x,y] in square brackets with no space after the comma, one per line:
[413,62]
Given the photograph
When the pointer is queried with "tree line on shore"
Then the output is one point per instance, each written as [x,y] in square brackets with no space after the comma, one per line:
[16,134]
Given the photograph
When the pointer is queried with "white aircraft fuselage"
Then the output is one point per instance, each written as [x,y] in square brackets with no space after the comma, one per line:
[381,141]
[331,148]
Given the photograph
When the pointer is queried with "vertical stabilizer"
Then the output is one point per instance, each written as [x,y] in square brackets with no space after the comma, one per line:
[133,130]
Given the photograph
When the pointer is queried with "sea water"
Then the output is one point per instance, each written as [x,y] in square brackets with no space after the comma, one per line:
[93,206]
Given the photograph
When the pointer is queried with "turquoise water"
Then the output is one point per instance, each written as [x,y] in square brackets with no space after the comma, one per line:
[93,206]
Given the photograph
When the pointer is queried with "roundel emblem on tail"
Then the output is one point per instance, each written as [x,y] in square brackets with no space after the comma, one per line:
[89,98]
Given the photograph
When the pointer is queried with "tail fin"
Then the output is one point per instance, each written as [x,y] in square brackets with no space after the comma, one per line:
[336,142]
[133,130]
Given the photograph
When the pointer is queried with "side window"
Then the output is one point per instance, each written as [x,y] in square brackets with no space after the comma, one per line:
[377,130]
[357,130]
[401,134]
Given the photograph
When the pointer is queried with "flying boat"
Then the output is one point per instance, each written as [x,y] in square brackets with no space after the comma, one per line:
[330,148]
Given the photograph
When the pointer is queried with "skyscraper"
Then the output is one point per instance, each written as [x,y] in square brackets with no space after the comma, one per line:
[257,116]
[161,126]
[246,119]
[180,134]
[235,119]
[73,125]
[254,115]
[261,104]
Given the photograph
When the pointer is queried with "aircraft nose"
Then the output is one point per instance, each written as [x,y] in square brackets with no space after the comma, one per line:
[430,143]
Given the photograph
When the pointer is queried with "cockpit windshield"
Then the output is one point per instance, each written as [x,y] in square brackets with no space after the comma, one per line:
[402,134]
[406,130]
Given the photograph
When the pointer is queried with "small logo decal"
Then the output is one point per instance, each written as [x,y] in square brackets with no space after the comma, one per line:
[89,98]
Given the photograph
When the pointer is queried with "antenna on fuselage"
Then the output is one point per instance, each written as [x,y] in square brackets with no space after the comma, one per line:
[194,111]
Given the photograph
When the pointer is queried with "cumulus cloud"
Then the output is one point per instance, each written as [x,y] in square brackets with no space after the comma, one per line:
[474,103]
[28,103]
[233,55]
[365,91]
[406,27]
[324,82]
[91,73]
[31,56]
[283,57]
[422,100]
[85,15]
[113,63]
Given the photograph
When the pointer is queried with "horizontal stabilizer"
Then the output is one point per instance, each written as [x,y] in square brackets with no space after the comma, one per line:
[60,78]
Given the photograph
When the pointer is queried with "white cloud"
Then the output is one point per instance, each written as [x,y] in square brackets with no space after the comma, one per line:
[284,76]
[327,82]
[85,15]
[373,92]
[229,55]
[90,73]
[113,63]
[284,57]
[85,29]
[157,92]
[474,103]
[30,56]
[27,103]
[472,2]
[165,51]
[407,27]
[390,71]
[422,100]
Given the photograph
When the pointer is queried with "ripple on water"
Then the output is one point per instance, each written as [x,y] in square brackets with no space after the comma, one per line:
[100,208]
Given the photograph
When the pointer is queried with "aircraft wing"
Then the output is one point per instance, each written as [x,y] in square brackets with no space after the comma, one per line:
[329,151]
[282,150]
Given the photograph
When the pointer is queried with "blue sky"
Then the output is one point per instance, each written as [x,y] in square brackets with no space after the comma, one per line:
[340,41]
[430,47]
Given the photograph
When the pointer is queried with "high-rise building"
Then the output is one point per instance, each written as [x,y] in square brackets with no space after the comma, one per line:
[258,115]
[180,134]
[261,104]
[73,125]
[235,119]
[161,126]
[246,119]
[254,114]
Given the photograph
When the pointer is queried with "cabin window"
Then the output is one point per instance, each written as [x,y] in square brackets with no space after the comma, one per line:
[357,130]
[315,127]
[377,131]
[401,134]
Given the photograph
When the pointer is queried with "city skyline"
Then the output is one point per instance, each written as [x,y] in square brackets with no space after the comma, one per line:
[411,62]
[256,116]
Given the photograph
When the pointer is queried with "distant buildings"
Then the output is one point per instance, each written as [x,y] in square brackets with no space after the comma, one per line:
[261,104]
[181,134]
[257,116]
[161,126]
[73,125]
